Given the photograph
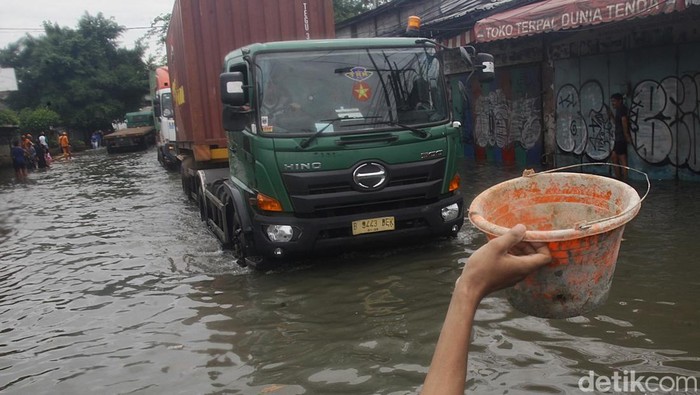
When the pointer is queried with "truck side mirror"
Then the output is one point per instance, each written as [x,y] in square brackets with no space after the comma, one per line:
[234,118]
[486,67]
[231,85]
[481,63]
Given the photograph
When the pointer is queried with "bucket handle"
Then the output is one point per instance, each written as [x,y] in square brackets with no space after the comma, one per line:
[587,224]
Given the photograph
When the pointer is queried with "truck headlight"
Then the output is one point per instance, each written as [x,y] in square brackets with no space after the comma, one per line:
[280,233]
[450,212]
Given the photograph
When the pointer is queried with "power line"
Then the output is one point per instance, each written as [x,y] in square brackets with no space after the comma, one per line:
[36,29]
[19,29]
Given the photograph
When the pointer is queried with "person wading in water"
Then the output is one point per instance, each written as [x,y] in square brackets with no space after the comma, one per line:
[65,145]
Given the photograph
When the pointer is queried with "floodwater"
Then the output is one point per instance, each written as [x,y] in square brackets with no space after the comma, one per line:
[110,284]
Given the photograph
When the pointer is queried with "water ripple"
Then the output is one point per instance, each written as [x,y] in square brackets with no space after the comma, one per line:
[109,283]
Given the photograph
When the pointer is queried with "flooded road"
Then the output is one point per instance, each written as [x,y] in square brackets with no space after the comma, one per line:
[110,284]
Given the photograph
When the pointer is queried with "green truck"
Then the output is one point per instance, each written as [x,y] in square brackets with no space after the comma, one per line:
[139,134]
[334,144]
[313,145]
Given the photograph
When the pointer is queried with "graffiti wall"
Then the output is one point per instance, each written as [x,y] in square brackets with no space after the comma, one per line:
[582,122]
[666,121]
[505,121]
[662,91]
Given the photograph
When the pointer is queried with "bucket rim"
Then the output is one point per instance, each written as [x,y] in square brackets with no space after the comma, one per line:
[576,232]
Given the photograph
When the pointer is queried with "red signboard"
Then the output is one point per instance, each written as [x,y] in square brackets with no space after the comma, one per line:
[553,15]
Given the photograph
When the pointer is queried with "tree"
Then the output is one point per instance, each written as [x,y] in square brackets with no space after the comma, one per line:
[155,36]
[8,117]
[345,9]
[39,120]
[80,74]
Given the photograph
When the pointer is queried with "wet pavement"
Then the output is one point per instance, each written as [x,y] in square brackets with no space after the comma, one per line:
[109,283]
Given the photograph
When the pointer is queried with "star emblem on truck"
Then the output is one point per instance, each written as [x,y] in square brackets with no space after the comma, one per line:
[361,91]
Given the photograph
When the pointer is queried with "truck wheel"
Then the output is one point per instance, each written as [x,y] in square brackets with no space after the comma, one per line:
[238,242]
[259,263]
[185,178]
[201,200]
[236,239]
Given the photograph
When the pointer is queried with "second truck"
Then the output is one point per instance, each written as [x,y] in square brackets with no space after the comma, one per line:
[306,146]
[163,117]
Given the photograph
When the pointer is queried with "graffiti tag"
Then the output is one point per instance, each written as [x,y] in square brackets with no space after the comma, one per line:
[501,122]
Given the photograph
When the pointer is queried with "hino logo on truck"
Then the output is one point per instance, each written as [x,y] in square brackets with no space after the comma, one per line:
[370,176]
[432,154]
[302,166]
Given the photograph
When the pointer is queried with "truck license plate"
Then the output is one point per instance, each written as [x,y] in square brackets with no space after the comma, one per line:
[372,225]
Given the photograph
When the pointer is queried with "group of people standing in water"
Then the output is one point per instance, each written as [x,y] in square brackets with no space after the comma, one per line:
[29,153]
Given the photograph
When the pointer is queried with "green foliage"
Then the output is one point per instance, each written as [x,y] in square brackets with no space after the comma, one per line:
[8,117]
[39,120]
[80,74]
[345,9]
[155,37]
[78,145]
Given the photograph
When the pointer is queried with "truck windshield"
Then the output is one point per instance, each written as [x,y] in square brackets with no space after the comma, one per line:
[166,105]
[341,91]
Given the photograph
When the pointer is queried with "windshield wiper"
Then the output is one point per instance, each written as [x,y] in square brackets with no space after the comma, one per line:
[418,132]
[305,143]
[308,141]
[381,80]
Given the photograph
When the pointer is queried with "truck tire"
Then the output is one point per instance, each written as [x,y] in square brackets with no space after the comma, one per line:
[201,199]
[236,238]
[143,145]
[239,242]
[185,178]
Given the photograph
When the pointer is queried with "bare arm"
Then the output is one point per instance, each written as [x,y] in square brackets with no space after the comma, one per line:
[499,264]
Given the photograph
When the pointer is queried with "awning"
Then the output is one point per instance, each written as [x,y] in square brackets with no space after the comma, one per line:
[554,15]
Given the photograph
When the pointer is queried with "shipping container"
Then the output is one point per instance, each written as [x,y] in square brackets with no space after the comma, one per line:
[202,32]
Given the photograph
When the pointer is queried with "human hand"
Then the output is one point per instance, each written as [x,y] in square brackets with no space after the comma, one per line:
[502,262]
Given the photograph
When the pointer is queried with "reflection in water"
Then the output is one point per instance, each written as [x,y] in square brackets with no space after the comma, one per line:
[109,283]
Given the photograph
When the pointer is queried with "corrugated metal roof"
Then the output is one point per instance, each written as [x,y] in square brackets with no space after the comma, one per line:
[457,8]
[446,19]
[464,13]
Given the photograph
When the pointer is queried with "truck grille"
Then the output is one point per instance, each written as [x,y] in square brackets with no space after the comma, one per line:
[333,193]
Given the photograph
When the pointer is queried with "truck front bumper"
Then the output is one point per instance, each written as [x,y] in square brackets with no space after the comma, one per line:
[322,235]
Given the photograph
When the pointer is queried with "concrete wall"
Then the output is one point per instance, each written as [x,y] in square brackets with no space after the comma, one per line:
[7,134]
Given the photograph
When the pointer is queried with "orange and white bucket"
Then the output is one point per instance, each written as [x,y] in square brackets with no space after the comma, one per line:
[580,216]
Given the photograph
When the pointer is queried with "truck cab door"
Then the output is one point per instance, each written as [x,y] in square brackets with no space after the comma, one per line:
[237,118]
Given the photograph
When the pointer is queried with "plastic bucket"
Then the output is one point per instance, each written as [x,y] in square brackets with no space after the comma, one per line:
[580,216]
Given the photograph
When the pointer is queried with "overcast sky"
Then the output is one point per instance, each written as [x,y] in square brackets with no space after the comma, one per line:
[18,17]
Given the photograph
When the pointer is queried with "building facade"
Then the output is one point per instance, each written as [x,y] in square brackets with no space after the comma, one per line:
[557,64]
